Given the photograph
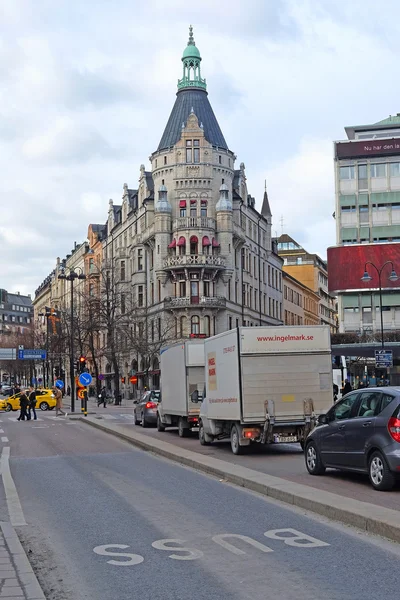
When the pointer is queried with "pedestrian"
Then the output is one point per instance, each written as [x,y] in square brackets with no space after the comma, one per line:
[335,392]
[58,396]
[347,387]
[32,403]
[68,391]
[102,398]
[23,403]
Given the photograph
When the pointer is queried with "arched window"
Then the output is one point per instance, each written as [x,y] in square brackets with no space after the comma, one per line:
[194,245]
[195,325]
[182,245]
[207,326]
[193,208]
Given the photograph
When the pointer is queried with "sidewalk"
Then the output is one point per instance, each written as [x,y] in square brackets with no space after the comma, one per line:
[17,579]
[375,519]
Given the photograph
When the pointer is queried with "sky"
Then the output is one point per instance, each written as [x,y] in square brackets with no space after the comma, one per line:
[86,89]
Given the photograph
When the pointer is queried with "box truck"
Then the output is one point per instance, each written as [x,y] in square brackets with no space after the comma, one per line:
[182,373]
[265,385]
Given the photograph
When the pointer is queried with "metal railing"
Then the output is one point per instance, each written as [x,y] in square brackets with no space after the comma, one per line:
[193,222]
[203,301]
[194,259]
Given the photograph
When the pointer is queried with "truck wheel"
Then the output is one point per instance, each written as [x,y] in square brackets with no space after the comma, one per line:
[203,437]
[160,427]
[182,430]
[235,437]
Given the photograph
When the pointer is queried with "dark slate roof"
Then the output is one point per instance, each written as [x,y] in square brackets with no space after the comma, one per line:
[149,181]
[266,209]
[197,99]
[133,199]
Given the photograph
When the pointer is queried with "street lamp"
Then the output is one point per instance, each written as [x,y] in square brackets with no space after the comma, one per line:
[71,276]
[367,277]
[46,314]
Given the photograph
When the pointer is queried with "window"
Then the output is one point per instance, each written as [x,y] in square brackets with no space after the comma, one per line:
[206,288]
[343,409]
[140,260]
[230,323]
[182,289]
[152,293]
[378,170]
[346,209]
[140,296]
[196,151]
[203,211]
[159,290]
[395,169]
[165,160]
[347,173]
[369,404]
[188,151]
[362,172]
[123,270]
[123,304]
[195,325]
[386,400]
[220,159]
[152,331]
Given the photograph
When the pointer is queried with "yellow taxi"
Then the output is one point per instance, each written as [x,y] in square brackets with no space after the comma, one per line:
[44,400]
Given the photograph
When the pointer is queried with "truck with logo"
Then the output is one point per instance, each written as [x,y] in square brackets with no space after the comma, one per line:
[265,385]
[182,373]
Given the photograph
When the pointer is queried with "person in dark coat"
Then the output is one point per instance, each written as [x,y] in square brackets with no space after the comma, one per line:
[32,403]
[347,387]
[24,403]
[102,399]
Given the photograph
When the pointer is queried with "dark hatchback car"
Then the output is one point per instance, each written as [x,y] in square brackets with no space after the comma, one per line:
[359,433]
[145,411]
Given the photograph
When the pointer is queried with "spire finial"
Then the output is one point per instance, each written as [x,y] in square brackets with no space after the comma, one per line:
[265,184]
[191,38]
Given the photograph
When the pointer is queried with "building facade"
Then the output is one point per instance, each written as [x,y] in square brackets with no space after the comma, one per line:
[16,313]
[300,303]
[367,181]
[311,271]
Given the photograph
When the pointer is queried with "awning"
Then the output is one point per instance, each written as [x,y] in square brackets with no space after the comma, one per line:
[193,202]
[215,243]
[181,241]
[172,244]
[194,239]
[206,241]
[203,202]
[182,203]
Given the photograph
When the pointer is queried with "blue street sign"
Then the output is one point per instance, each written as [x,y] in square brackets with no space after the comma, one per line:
[32,354]
[34,381]
[59,384]
[383,359]
[85,379]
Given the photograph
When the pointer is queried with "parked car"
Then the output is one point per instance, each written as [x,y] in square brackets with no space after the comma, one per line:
[6,389]
[44,400]
[360,433]
[145,411]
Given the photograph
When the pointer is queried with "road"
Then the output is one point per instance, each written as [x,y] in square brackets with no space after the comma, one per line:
[106,520]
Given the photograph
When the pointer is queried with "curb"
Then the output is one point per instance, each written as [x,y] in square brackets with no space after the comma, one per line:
[25,574]
[376,520]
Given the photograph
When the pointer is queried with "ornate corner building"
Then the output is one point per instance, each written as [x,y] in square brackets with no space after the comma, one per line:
[189,239]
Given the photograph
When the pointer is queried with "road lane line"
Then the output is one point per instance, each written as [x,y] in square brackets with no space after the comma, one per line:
[13,503]
[4,438]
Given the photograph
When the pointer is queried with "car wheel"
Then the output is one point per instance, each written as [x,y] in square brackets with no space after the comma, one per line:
[313,460]
[143,422]
[380,476]
[160,426]
[235,436]
[44,406]
[8,407]
[203,436]
[182,431]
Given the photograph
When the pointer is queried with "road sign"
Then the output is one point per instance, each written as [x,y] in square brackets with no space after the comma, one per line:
[85,379]
[383,359]
[133,379]
[8,354]
[32,354]
[81,393]
[21,347]
[59,384]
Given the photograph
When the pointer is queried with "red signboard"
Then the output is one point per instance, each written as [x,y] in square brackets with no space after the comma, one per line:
[133,379]
[368,148]
[346,265]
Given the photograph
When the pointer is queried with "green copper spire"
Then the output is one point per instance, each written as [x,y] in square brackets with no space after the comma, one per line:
[191,66]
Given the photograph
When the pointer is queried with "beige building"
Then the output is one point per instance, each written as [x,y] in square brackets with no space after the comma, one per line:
[300,303]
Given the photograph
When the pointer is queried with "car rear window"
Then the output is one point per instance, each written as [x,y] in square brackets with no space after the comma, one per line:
[156,395]
[386,400]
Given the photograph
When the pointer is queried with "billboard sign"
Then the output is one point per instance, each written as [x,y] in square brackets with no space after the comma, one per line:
[346,266]
[368,148]
[278,340]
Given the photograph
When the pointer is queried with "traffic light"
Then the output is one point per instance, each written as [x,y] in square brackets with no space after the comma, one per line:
[82,364]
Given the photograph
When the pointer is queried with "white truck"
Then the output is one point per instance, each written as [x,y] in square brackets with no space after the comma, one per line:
[265,385]
[182,373]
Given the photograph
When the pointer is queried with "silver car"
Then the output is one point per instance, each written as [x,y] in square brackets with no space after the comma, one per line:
[145,411]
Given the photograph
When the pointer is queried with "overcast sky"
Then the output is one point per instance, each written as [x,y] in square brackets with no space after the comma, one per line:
[86,89]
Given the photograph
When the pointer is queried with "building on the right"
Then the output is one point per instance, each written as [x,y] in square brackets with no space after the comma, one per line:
[367,213]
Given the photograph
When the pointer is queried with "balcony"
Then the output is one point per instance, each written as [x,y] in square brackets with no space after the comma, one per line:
[193,260]
[193,223]
[201,301]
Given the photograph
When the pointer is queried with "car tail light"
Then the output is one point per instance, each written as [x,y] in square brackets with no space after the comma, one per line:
[394,428]
[151,405]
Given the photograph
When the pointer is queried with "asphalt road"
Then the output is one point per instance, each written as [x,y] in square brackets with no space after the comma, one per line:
[107,521]
[282,460]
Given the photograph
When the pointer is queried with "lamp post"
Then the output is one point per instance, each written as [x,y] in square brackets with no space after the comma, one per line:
[367,277]
[70,274]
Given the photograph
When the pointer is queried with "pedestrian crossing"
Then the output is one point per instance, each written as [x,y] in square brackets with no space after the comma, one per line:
[42,416]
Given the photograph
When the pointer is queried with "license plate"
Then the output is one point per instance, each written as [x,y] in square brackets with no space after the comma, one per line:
[285,439]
